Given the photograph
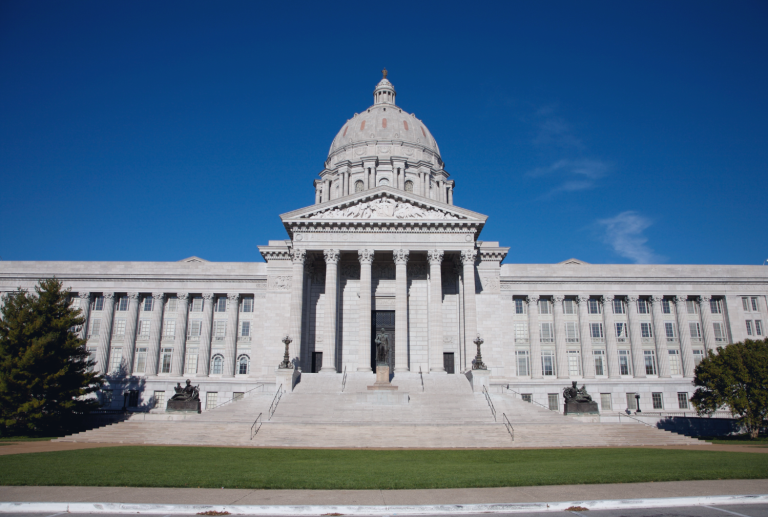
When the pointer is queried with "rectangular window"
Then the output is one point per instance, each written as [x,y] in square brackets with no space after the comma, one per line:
[245,329]
[642,307]
[719,332]
[675,368]
[716,306]
[220,329]
[133,398]
[618,306]
[624,363]
[165,360]
[669,329]
[569,306]
[749,328]
[547,336]
[631,402]
[122,304]
[571,332]
[646,330]
[190,363]
[599,361]
[197,304]
[544,307]
[169,328]
[522,363]
[74,303]
[605,401]
[521,332]
[247,304]
[574,364]
[650,362]
[147,305]
[238,395]
[758,328]
[594,306]
[552,398]
[144,326]
[221,304]
[114,360]
[119,327]
[745,303]
[211,399]
[195,327]
[621,332]
[519,306]
[141,360]
[159,399]
[695,330]
[92,356]
[96,327]
[698,356]
[754,304]
[692,307]
[682,400]
[172,304]
[106,398]
[548,362]
[666,307]
[658,401]
[98,303]
[596,331]
[527,397]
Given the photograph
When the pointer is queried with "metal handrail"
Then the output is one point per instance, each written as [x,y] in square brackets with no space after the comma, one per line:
[508,425]
[275,402]
[253,433]
[259,385]
[344,379]
[633,418]
[532,401]
[422,378]
[490,403]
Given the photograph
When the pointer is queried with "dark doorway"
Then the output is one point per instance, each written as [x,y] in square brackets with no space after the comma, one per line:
[448,362]
[317,361]
[385,320]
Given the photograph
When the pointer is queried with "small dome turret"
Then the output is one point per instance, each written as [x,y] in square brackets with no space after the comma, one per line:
[385,91]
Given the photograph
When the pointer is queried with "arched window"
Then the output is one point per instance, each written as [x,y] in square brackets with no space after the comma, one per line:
[217,364]
[359,186]
[243,363]
[409,186]
[383,181]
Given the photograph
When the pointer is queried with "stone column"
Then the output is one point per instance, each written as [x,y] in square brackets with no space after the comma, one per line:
[180,341]
[706,322]
[560,352]
[331,284]
[85,308]
[635,335]
[609,330]
[367,177]
[105,332]
[130,332]
[364,318]
[204,352]
[534,337]
[587,358]
[230,338]
[155,333]
[401,310]
[450,195]
[435,311]
[298,258]
[439,196]
[660,336]
[684,333]
[470,302]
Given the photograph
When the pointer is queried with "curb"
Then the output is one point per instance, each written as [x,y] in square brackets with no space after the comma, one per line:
[454,509]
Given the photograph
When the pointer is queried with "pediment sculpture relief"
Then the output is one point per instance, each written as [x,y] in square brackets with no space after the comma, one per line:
[383,209]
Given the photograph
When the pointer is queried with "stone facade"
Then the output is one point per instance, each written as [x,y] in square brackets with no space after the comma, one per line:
[384,235]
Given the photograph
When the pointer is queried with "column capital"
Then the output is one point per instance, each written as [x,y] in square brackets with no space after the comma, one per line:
[108,296]
[679,299]
[331,256]
[158,296]
[558,298]
[182,296]
[298,256]
[582,298]
[401,257]
[207,296]
[233,297]
[468,256]
[657,298]
[365,256]
[435,257]
[133,295]
[607,299]
[533,299]
[632,298]
[704,299]
[84,296]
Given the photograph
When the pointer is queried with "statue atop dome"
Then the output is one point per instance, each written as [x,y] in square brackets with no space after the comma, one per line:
[384,73]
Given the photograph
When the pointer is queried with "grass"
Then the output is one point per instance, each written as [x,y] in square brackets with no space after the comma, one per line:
[739,439]
[211,467]
[14,439]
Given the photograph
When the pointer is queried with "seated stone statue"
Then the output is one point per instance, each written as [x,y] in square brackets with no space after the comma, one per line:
[186,393]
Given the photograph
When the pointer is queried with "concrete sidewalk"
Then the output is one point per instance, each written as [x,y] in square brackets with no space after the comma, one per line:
[535,494]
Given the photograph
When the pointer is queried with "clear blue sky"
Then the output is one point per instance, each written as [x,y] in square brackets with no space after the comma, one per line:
[614,132]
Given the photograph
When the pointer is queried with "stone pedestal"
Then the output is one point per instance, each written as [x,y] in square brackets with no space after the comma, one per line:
[581,408]
[186,406]
[382,379]
[478,379]
[382,392]
[287,377]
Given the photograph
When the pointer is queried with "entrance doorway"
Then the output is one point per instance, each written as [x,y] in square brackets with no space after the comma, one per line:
[317,361]
[448,362]
[385,320]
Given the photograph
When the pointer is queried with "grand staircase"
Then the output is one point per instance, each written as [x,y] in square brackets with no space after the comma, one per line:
[442,412]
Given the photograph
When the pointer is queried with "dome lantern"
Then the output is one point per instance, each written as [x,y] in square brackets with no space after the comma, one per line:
[385,91]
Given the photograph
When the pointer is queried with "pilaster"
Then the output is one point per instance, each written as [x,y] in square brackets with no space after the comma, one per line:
[705,309]
[635,336]
[105,332]
[587,361]
[662,354]
[180,340]
[204,357]
[230,337]
[364,318]
[435,258]
[155,333]
[468,258]
[534,338]
[560,351]
[130,332]
[684,333]
[611,347]
[298,257]
[401,310]
[331,302]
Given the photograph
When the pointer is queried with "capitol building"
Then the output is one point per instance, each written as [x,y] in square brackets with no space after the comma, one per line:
[383,248]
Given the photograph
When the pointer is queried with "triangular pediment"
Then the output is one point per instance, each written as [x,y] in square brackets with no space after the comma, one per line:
[193,260]
[573,262]
[384,204]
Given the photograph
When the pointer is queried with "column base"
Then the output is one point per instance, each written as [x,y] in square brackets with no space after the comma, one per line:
[365,370]
[564,377]
[438,370]
[639,376]
[614,377]
[328,369]
[402,370]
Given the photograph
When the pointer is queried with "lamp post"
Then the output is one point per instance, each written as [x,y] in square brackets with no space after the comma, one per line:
[478,362]
[637,398]
[286,364]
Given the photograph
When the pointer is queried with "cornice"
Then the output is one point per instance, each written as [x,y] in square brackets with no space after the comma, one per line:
[257,281]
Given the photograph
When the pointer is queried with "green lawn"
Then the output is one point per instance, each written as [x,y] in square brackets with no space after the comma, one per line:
[741,439]
[345,469]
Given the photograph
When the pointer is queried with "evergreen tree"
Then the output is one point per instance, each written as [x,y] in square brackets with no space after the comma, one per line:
[736,377]
[44,367]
